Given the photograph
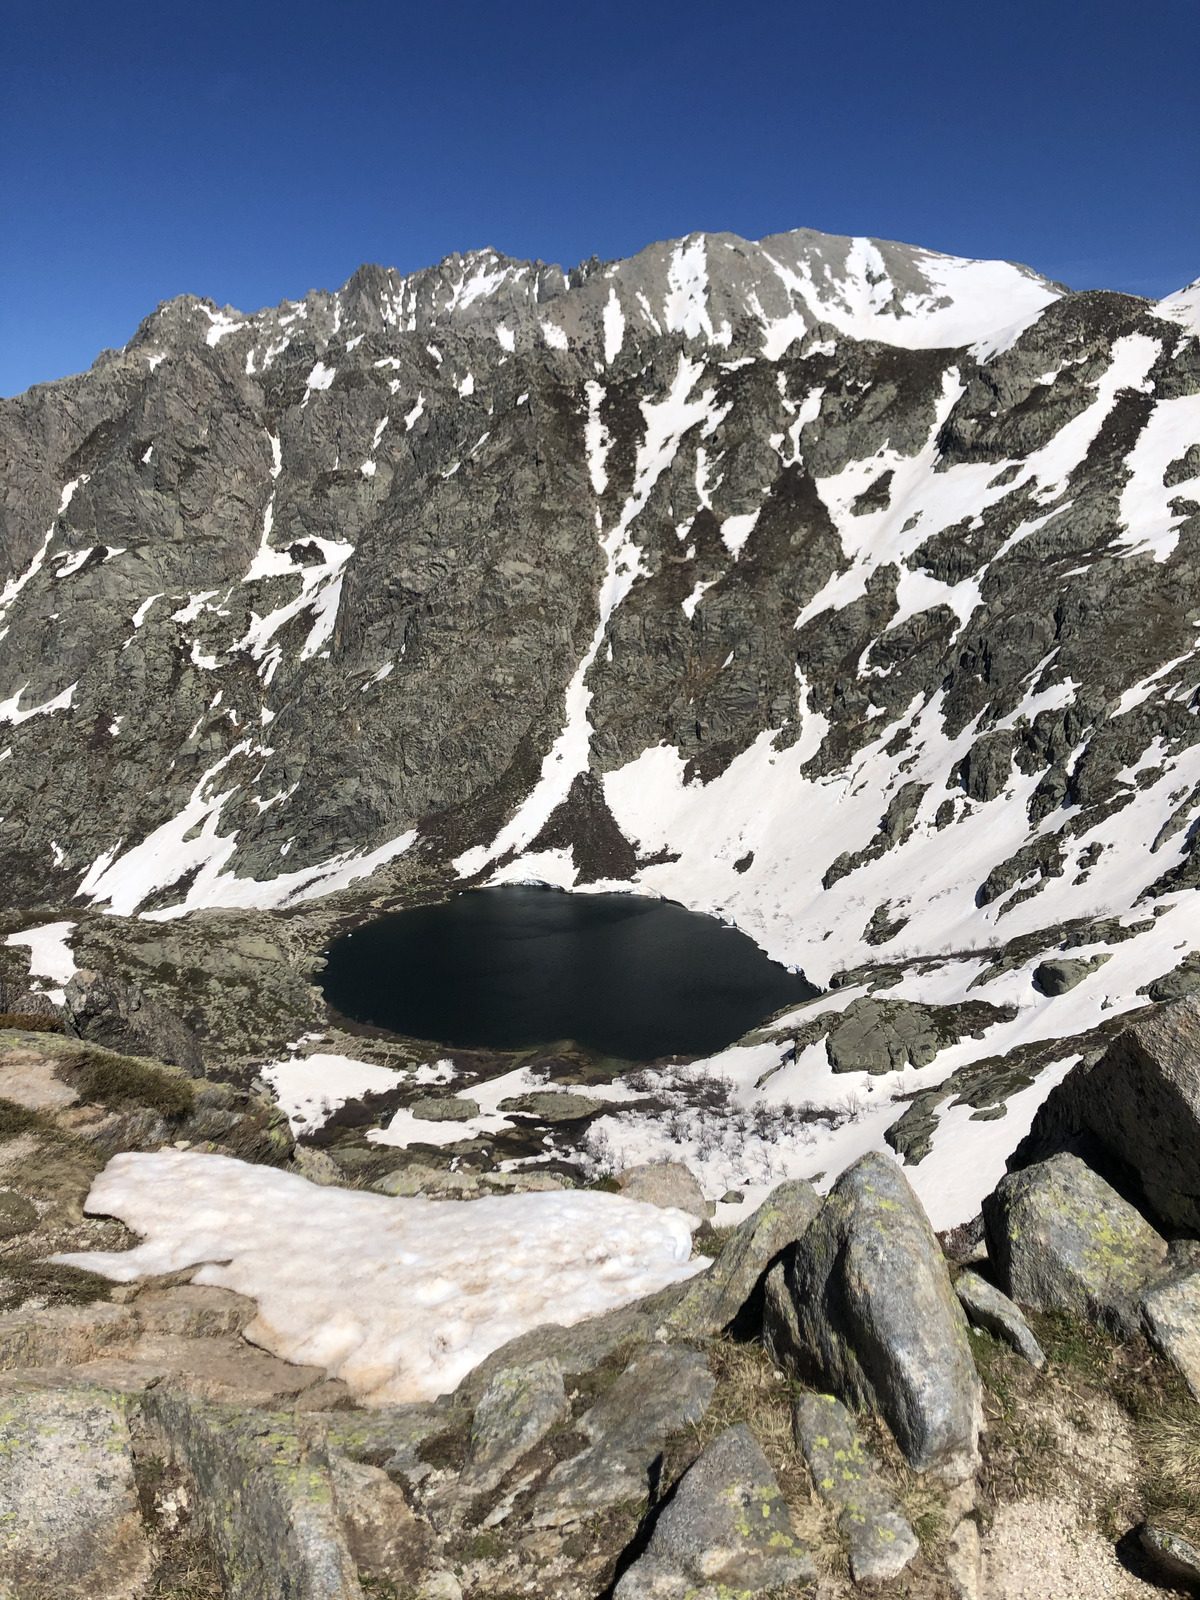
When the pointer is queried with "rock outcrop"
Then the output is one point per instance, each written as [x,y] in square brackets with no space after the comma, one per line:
[716,1299]
[69,1504]
[119,1017]
[1171,1316]
[880,1541]
[877,1320]
[265,1495]
[725,1531]
[517,1408]
[663,1389]
[140,1427]
[1141,1099]
[1063,1239]
[665,1183]
[987,1308]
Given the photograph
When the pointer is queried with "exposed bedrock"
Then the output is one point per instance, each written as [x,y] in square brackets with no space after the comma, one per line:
[71,1522]
[726,1530]
[880,1541]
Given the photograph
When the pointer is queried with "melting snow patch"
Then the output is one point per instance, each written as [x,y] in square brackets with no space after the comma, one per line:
[220,326]
[686,307]
[614,328]
[736,530]
[689,605]
[1182,307]
[1147,511]
[320,377]
[49,954]
[311,1088]
[399,1298]
[9,712]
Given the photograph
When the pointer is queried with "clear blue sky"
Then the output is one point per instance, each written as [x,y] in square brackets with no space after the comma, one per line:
[253,151]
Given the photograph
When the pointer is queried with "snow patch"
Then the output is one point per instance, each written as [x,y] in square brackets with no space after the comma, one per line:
[1151,526]
[449,1282]
[1182,307]
[60,702]
[50,955]
[310,1089]
[614,327]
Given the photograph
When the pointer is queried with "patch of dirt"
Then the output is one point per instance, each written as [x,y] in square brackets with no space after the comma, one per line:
[1045,1549]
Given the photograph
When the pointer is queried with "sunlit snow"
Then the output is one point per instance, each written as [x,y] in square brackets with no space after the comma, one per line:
[399,1298]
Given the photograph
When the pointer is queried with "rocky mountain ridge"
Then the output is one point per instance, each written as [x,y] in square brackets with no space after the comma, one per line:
[835,587]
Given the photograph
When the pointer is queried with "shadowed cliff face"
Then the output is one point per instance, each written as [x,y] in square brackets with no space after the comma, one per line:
[842,588]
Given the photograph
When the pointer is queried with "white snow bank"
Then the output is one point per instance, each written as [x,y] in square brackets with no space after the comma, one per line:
[49,954]
[405,1129]
[10,713]
[399,1298]
[1146,501]
[1182,307]
[311,1088]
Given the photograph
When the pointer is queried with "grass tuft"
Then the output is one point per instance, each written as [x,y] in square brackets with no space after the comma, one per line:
[16,1120]
[51,1282]
[116,1081]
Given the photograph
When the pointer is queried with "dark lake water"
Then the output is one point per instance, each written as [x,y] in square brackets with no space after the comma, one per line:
[512,968]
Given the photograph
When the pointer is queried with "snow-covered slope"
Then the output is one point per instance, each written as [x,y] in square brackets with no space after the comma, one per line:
[837,587]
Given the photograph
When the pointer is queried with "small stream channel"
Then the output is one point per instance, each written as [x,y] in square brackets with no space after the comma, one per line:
[518,967]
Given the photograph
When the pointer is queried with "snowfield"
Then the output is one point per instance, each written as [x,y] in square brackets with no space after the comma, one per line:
[399,1298]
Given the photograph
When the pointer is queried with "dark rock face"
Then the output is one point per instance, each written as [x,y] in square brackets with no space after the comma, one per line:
[877,1320]
[120,1017]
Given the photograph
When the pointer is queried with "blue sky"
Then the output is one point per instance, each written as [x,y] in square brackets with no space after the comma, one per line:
[251,152]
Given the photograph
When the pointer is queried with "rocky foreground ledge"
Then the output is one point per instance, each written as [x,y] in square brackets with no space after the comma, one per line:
[842,1400]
